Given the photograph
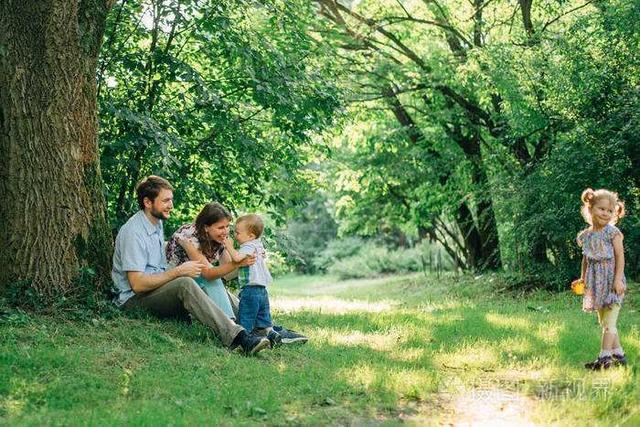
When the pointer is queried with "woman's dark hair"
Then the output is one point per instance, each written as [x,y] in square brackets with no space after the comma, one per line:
[210,214]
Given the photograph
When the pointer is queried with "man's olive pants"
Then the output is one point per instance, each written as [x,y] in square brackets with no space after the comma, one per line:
[183,296]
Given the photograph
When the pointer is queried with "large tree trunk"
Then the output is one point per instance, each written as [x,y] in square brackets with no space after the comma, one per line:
[487,256]
[488,229]
[52,215]
[470,235]
[480,233]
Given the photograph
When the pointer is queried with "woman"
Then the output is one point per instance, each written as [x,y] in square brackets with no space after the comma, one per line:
[204,241]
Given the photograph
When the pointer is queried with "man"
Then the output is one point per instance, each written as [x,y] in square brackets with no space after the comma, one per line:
[143,281]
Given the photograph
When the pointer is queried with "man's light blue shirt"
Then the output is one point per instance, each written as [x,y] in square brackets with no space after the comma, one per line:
[139,247]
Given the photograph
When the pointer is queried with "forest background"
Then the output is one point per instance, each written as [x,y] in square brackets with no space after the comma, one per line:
[377,136]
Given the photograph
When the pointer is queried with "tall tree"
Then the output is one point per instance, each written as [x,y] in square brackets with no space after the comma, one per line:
[521,104]
[396,67]
[52,221]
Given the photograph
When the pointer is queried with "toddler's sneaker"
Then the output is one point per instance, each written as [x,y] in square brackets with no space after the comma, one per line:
[600,363]
[290,336]
[275,339]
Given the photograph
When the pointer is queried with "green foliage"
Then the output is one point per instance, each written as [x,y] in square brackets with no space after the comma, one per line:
[337,250]
[475,133]
[220,97]
[354,258]
[483,135]
[308,232]
[277,264]
[22,294]
[84,299]
[593,97]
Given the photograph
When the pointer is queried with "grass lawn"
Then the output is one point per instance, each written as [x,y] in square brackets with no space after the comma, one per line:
[413,349]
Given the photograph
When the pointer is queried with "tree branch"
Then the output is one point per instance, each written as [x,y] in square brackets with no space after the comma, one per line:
[557,18]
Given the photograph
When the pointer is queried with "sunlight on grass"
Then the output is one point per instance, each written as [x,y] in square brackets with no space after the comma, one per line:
[413,384]
[13,407]
[513,347]
[549,332]
[492,407]
[362,375]
[510,321]
[323,285]
[18,398]
[613,377]
[449,317]
[631,340]
[441,307]
[513,375]
[125,382]
[381,342]
[477,355]
[328,305]
[408,355]
[380,352]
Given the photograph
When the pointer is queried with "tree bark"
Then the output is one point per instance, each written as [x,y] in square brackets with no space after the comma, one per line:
[52,215]
[525,8]
[481,234]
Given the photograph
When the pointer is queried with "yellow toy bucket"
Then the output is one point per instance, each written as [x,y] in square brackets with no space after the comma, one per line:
[577,286]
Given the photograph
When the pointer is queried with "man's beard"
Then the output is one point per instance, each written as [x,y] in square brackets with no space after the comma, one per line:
[158,214]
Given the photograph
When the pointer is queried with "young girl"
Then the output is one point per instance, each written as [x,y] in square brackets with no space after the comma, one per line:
[603,270]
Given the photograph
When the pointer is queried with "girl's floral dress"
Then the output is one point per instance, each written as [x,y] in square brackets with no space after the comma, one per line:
[597,247]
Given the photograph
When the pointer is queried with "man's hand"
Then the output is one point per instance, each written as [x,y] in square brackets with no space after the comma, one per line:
[191,268]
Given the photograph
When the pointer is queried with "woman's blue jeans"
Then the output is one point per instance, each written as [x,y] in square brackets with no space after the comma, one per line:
[218,294]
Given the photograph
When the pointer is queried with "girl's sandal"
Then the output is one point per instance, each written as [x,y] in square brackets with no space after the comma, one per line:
[619,360]
[600,363]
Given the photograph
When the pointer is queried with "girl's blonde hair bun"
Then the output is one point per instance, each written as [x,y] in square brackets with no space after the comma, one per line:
[587,195]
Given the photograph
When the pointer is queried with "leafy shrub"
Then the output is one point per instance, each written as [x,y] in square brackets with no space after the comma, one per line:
[538,276]
[337,250]
[86,300]
[308,233]
[372,260]
[277,264]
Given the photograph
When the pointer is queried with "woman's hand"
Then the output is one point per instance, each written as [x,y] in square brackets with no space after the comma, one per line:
[619,288]
[246,261]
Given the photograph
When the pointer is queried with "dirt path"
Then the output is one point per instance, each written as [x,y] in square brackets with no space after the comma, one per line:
[487,407]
